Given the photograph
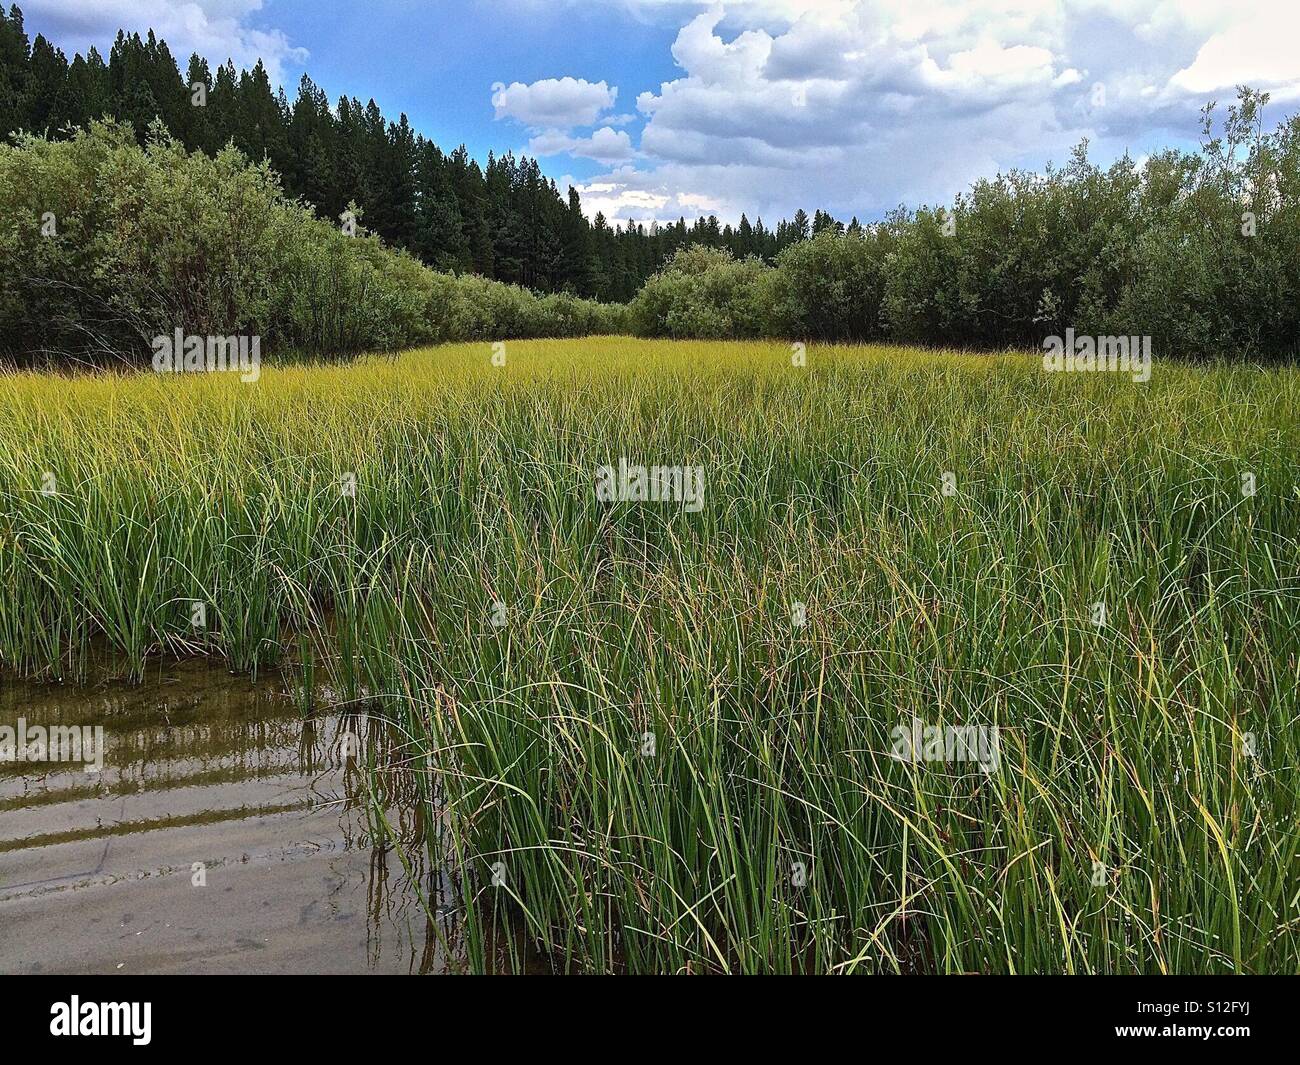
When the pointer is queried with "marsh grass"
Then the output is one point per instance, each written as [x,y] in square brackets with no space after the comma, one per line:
[770,830]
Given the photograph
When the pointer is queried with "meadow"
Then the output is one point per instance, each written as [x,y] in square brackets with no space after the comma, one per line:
[659,740]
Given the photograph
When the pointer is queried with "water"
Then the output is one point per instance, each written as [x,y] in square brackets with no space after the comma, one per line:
[98,873]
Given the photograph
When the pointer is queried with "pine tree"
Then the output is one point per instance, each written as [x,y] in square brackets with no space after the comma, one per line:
[509,222]
[48,107]
[198,124]
[15,72]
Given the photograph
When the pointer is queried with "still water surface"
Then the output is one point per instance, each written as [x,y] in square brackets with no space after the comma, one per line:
[97,871]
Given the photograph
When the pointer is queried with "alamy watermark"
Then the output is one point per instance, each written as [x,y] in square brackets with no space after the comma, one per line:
[179,353]
[74,1017]
[918,742]
[1083,354]
[630,483]
[55,743]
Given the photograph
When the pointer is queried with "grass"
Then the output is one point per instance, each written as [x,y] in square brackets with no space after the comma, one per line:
[650,766]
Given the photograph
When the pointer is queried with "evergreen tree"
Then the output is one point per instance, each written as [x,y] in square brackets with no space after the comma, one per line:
[15,71]
[508,221]
[49,107]
[799,226]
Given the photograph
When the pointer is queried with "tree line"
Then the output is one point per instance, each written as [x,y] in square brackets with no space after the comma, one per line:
[109,245]
[1197,250]
[506,221]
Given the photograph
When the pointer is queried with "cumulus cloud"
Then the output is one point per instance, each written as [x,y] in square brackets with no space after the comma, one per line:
[216,29]
[757,88]
[606,145]
[553,103]
[1258,48]
[855,106]
[620,198]
[861,106]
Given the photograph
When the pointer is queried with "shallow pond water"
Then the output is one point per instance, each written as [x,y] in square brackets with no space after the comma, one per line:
[225,832]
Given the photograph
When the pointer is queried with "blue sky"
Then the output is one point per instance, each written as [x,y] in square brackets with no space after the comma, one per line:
[437,61]
[657,108]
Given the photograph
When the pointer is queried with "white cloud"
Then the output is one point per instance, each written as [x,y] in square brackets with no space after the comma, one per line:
[216,29]
[851,105]
[861,106]
[627,194]
[620,204]
[1259,48]
[606,145]
[553,103]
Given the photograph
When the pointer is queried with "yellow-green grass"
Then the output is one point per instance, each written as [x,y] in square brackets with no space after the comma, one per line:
[1142,815]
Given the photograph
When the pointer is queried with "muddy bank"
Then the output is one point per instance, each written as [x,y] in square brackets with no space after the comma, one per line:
[225,832]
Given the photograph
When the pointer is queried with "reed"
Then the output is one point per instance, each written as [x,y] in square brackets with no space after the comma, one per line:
[663,741]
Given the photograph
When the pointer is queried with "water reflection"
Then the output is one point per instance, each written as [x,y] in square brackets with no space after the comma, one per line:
[225,833]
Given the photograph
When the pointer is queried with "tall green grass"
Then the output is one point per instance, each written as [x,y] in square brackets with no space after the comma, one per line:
[1143,814]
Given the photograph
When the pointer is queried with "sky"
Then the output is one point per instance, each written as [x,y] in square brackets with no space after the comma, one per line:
[656,109]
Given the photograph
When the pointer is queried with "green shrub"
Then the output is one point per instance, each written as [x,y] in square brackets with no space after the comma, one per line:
[831,287]
[1200,251]
[108,244]
[703,292]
